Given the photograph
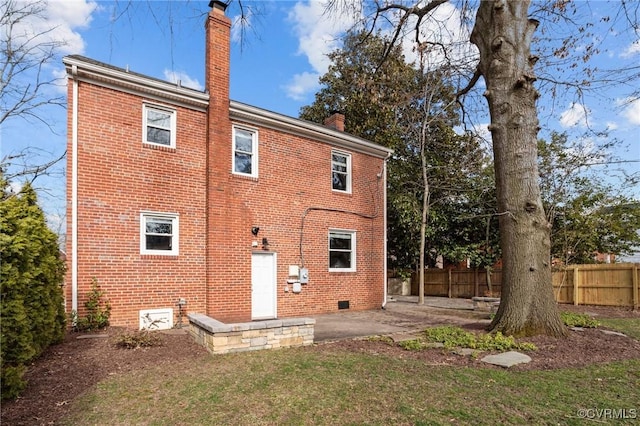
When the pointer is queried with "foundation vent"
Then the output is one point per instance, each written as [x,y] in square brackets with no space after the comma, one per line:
[343,304]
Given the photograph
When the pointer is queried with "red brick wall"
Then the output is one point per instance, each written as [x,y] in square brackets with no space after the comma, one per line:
[295,174]
[118,178]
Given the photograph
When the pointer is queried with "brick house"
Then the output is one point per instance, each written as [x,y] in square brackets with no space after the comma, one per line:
[182,200]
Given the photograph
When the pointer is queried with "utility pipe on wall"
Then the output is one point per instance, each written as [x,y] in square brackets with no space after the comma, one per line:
[74,192]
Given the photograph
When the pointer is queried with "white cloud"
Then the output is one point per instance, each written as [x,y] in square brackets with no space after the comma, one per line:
[56,222]
[74,13]
[60,82]
[318,34]
[575,115]
[611,125]
[443,27]
[631,110]
[59,23]
[483,131]
[631,50]
[15,186]
[184,79]
[241,22]
[302,84]
[53,25]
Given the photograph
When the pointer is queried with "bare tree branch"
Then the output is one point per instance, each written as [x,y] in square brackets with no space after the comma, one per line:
[25,54]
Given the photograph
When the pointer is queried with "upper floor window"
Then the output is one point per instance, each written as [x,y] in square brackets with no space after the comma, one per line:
[159,234]
[245,151]
[340,171]
[159,126]
[342,251]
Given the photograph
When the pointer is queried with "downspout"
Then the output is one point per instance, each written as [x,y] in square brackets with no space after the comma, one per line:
[384,230]
[74,192]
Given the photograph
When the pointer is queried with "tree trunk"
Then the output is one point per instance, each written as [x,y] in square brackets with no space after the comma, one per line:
[488,268]
[425,213]
[503,35]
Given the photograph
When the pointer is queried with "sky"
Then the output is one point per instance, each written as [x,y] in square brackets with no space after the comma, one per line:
[275,65]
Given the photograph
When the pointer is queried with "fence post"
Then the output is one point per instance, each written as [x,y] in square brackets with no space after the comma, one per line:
[449,281]
[576,279]
[634,283]
[475,282]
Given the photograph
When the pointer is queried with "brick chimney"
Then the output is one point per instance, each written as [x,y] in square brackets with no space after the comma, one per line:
[219,143]
[216,75]
[335,121]
[218,51]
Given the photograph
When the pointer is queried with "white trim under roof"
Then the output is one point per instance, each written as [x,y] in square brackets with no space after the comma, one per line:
[120,79]
[260,117]
[130,82]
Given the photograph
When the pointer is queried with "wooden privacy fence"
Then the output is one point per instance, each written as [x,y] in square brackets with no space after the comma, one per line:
[615,284]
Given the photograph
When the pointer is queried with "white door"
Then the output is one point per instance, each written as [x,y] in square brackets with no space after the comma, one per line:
[263,286]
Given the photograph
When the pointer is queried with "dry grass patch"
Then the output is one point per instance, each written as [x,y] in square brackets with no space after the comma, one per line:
[330,385]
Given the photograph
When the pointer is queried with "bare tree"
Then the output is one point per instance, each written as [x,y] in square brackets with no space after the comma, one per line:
[26,85]
[503,33]
[432,115]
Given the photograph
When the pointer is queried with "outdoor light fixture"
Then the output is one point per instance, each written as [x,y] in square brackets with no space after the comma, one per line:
[255,230]
[265,244]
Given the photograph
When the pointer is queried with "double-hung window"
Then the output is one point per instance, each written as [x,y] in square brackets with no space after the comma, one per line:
[245,151]
[159,126]
[159,233]
[341,171]
[342,251]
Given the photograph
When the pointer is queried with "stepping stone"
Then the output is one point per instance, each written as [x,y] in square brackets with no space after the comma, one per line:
[93,336]
[613,333]
[398,338]
[175,331]
[464,351]
[507,359]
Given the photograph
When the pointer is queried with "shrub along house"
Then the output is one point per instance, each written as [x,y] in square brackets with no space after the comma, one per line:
[182,200]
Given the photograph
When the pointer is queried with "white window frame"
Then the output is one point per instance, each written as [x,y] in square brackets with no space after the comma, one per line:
[253,153]
[347,190]
[353,250]
[172,126]
[175,233]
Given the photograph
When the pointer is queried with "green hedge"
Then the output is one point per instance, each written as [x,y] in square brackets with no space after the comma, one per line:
[32,313]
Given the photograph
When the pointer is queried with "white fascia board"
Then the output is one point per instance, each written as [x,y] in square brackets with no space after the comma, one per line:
[122,80]
[306,129]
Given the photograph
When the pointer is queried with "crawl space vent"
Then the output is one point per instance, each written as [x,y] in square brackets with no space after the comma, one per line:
[343,304]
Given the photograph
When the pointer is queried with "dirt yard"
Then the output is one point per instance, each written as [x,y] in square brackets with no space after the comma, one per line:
[68,370]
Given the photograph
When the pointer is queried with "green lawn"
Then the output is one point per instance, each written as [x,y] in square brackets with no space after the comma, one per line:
[332,386]
[628,326]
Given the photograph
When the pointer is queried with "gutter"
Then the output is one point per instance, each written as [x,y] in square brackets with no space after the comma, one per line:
[74,191]
[384,232]
[258,116]
[130,82]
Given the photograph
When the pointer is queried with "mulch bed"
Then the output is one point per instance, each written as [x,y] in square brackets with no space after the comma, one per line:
[68,370]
